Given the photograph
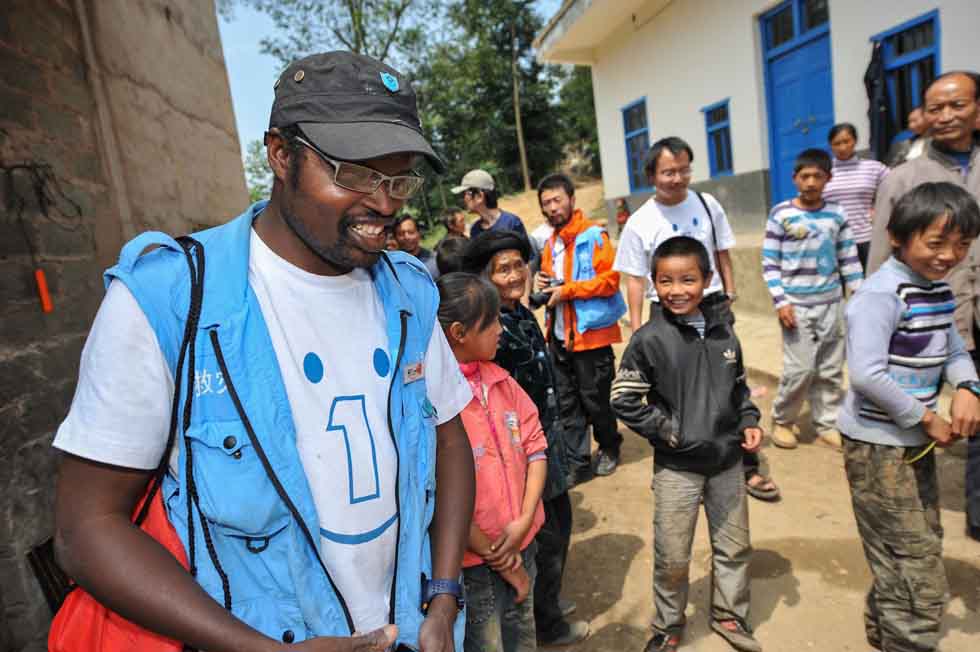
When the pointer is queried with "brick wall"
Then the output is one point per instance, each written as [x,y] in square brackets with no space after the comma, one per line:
[177,152]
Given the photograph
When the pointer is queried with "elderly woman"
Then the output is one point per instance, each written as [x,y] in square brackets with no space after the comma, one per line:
[502,257]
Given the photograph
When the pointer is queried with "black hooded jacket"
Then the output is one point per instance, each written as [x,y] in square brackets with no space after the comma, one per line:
[686,394]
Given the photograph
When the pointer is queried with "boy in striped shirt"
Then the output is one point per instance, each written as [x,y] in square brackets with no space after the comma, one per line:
[808,251]
[901,345]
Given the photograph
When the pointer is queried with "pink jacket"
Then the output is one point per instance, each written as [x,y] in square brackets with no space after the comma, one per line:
[504,437]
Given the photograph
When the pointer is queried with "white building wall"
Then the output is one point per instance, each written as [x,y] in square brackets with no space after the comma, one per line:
[852,24]
[698,52]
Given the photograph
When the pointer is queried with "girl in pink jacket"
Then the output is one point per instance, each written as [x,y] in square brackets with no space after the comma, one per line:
[509,454]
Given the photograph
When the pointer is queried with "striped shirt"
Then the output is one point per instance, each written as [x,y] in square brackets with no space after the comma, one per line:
[901,344]
[853,186]
[806,253]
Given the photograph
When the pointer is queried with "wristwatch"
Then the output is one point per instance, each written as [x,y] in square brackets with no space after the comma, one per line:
[971,386]
[432,588]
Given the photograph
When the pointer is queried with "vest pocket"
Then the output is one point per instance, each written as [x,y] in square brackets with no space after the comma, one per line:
[233,489]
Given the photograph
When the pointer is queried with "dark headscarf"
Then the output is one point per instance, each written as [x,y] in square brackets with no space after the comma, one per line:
[481,249]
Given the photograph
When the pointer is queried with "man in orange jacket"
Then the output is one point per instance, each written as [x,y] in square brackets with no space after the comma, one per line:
[584,307]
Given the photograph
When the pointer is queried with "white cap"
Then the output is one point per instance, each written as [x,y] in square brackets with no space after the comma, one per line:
[480,179]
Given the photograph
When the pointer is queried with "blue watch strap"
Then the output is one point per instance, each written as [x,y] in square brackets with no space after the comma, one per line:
[432,588]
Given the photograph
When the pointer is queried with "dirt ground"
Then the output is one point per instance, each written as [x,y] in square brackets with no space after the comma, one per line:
[808,571]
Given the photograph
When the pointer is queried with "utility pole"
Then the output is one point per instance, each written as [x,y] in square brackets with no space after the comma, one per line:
[517,108]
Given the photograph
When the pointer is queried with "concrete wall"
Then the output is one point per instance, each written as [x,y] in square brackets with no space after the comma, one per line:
[697,52]
[85,160]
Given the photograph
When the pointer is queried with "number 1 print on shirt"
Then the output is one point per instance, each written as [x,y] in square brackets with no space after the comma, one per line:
[348,415]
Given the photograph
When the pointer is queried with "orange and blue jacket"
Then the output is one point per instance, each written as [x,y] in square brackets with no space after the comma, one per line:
[605,284]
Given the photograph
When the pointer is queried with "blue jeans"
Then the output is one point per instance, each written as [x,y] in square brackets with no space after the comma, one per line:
[493,622]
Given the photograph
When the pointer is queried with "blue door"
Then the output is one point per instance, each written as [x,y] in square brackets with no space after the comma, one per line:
[799,88]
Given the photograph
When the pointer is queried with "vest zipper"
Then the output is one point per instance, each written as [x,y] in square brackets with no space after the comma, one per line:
[283,495]
[403,315]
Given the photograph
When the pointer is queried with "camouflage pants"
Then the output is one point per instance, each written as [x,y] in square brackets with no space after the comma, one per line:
[896,506]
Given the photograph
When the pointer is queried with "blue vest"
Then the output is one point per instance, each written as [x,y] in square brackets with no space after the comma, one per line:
[597,312]
[268,549]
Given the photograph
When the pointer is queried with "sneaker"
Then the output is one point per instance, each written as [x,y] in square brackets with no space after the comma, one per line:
[565,633]
[784,436]
[567,607]
[973,532]
[661,642]
[606,462]
[831,439]
[737,635]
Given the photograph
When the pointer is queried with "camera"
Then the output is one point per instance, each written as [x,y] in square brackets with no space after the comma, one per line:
[538,299]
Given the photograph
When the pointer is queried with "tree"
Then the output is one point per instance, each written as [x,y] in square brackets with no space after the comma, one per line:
[388,30]
[258,174]
[576,111]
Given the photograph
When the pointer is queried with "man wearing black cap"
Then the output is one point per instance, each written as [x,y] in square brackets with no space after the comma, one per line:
[318,416]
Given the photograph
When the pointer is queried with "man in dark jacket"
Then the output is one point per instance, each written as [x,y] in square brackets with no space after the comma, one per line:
[681,384]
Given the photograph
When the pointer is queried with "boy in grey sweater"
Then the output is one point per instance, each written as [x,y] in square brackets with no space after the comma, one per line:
[901,345]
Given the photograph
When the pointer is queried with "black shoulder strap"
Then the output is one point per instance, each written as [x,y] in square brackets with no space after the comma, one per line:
[196,271]
[711,220]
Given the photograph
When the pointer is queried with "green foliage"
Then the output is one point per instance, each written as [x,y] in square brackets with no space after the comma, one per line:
[576,110]
[258,174]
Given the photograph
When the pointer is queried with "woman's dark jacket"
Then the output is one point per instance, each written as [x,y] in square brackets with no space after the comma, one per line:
[686,394]
[523,352]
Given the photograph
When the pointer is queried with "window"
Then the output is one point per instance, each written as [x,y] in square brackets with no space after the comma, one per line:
[719,138]
[637,136]
[794,19]
[911,56]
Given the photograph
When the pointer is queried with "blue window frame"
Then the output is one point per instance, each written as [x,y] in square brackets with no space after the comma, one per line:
[785,26]
[637,136]
[911,56]
[717,126]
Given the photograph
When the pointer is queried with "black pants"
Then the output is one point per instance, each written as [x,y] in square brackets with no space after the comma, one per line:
[552,540]
[584,382]
[973,463]
[863,249]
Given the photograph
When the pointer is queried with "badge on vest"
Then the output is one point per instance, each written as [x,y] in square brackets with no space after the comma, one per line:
[414,372]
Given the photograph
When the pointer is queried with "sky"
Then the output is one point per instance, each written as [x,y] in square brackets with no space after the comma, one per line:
[252,74]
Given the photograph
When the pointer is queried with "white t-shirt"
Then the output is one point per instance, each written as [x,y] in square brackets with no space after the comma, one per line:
[653,223]
[540,235]
[336,381]
[558,263]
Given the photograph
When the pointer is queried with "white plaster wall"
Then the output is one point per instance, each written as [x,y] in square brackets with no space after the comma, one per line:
[852,24]
[694,53]
[697,52]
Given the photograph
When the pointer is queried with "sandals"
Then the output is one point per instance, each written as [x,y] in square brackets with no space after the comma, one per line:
[737,635]
[764,489]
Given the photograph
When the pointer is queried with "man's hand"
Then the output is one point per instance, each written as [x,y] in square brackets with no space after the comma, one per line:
[753,439]
[938,429]
[436,633]
[541,280]
[377,641]
[787,317]
[554,295]
[964,413]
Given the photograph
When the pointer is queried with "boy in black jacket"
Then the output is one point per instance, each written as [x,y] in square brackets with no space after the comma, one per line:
[681,384]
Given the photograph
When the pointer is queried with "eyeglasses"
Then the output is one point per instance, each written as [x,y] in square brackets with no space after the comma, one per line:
[672,174]
[360,178]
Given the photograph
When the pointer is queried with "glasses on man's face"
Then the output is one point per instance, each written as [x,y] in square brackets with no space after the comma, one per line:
[360,178]
[682,173]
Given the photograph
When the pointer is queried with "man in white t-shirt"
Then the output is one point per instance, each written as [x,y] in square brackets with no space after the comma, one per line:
[676,210]
[308,267]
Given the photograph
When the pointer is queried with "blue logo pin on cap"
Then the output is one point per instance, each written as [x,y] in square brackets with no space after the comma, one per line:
[390,81]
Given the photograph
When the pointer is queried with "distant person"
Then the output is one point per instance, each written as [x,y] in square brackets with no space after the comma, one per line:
[582,324]
[502,257]
[681,385]
[449,254]
[901,345]
[480,198]
[622,214]
[406,232]
[853,184]
[910,143]
[455,222]
[509,449]
[807,253]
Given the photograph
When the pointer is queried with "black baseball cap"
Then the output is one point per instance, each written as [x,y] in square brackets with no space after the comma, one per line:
[351,106]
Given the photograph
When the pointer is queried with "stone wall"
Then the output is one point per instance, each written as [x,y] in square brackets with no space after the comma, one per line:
[115,116]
